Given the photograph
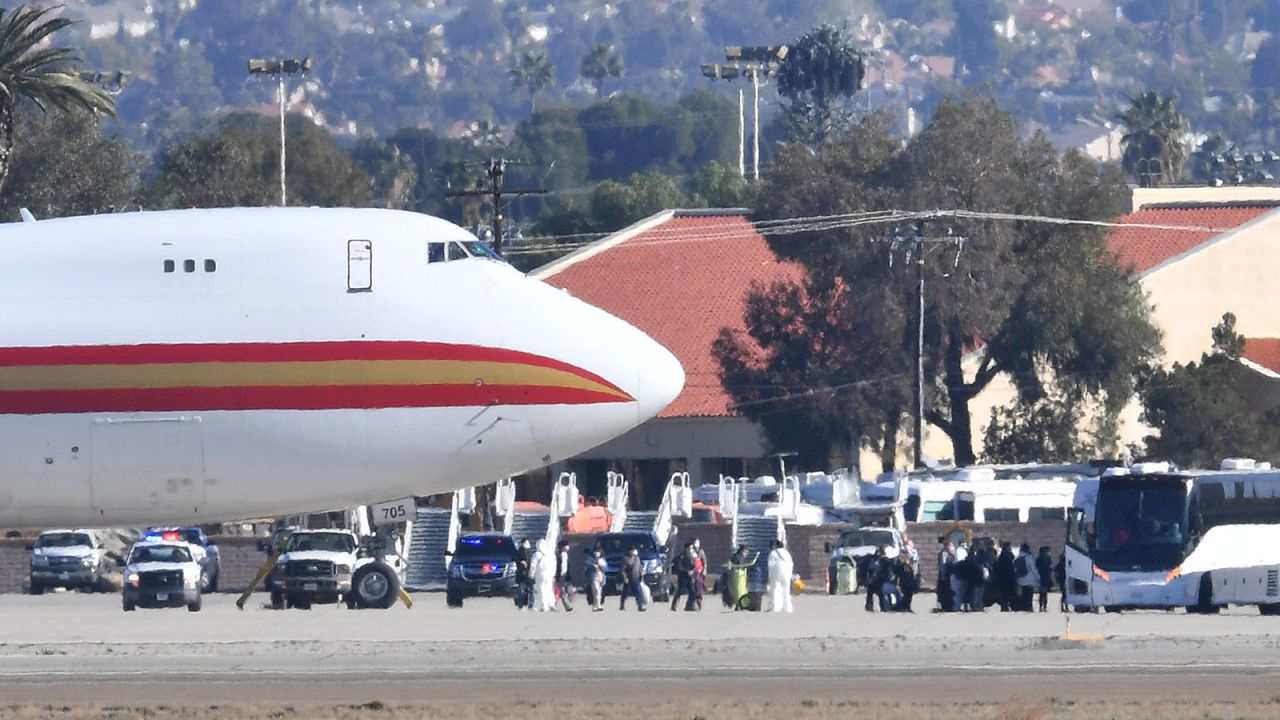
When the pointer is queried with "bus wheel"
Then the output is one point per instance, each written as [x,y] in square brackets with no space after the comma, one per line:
[1269,609]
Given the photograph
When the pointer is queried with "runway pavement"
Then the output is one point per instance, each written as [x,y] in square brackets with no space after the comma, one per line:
[71,648]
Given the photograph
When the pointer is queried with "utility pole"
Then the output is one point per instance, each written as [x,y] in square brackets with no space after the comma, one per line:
[280,69]
[495,170]
[917,248]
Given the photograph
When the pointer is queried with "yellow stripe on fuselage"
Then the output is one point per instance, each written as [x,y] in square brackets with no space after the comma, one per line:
[289,374]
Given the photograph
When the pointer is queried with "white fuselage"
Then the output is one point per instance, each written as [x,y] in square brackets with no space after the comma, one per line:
[202,365]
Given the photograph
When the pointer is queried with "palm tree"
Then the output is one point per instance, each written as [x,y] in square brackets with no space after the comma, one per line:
[1153,150]
[45,75]
[599,64]
[533,73]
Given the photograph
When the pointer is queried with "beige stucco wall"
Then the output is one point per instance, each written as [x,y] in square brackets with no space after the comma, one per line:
[1202,194]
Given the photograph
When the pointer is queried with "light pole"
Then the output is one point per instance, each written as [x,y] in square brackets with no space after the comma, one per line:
[280,69]
[716,71]
[757,61]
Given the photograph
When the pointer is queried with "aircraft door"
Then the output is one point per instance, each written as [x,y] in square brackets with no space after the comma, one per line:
[359,266]
[148,464]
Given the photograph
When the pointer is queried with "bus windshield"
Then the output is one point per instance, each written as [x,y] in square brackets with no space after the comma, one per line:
[1141,526]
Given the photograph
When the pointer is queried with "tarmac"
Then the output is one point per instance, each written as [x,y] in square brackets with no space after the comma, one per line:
[79,649]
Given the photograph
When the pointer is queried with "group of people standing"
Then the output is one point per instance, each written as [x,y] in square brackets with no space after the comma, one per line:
[893,581]
[542,576]
[972,578]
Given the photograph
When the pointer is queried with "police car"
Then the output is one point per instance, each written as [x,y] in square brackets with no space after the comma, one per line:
[162,572]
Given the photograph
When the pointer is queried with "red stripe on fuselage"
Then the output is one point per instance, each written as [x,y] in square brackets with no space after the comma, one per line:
[332,397]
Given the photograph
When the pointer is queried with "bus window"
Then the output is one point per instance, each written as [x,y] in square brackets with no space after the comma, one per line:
[934,510]
[964,509]
[1000,515]
[1078,529]
[1046,513]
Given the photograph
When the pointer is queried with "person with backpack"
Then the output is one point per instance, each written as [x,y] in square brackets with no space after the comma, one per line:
[563,579]
[874,571]
[632,581]
[683,567]
[1024,569]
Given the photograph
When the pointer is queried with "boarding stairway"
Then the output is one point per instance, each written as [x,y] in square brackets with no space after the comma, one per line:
[429,541]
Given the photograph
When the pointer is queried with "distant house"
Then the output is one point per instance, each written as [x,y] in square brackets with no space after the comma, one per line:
[680,276]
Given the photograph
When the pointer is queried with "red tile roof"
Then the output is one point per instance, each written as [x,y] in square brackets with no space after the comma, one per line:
[681,281]
[1264,352]
[1145,248]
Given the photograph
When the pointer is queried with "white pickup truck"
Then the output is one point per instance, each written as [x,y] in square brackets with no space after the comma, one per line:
[1233,565]
[329,566]
[69,559]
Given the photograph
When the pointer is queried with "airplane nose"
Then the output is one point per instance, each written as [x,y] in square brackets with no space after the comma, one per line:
[661,378]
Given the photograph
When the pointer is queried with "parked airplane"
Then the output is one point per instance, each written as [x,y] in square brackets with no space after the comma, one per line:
[201,365]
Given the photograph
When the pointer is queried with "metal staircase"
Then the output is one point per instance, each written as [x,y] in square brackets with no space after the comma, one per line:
[639,521]
[428,566]
[529,524]
[758,534]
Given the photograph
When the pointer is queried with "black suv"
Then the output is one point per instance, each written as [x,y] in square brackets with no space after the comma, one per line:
[653,561]
[482,565]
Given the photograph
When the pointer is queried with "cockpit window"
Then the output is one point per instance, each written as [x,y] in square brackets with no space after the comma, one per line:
[439,251]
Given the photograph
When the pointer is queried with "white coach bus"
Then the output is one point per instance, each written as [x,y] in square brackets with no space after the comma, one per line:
[1151,537]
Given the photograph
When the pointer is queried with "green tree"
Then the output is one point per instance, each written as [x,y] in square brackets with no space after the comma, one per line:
[533,73]
[238,164]
[820,72]
[1044,305]
[615,205]
[1203,412]
[1154,152]
[66,166]
[599,64]
[44,74]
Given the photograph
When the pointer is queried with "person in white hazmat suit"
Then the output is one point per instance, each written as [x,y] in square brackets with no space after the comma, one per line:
[781,568]
[543,569]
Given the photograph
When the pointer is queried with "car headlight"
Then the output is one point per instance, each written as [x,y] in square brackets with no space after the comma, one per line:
[189,580]
[132,579]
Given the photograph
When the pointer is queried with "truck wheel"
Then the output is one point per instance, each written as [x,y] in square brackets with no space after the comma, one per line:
[1204,602]
[452,600]
[127,606]
[300,602]
[195,606]
[375,585]
[37,589]
[277,600]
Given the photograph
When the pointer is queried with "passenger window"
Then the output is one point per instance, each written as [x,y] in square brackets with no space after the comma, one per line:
[189,266]
[1046,513]
[210,265]
[169,266]
[1000,515]
[359,265]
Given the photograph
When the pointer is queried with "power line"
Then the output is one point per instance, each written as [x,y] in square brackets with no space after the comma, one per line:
[819,223]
